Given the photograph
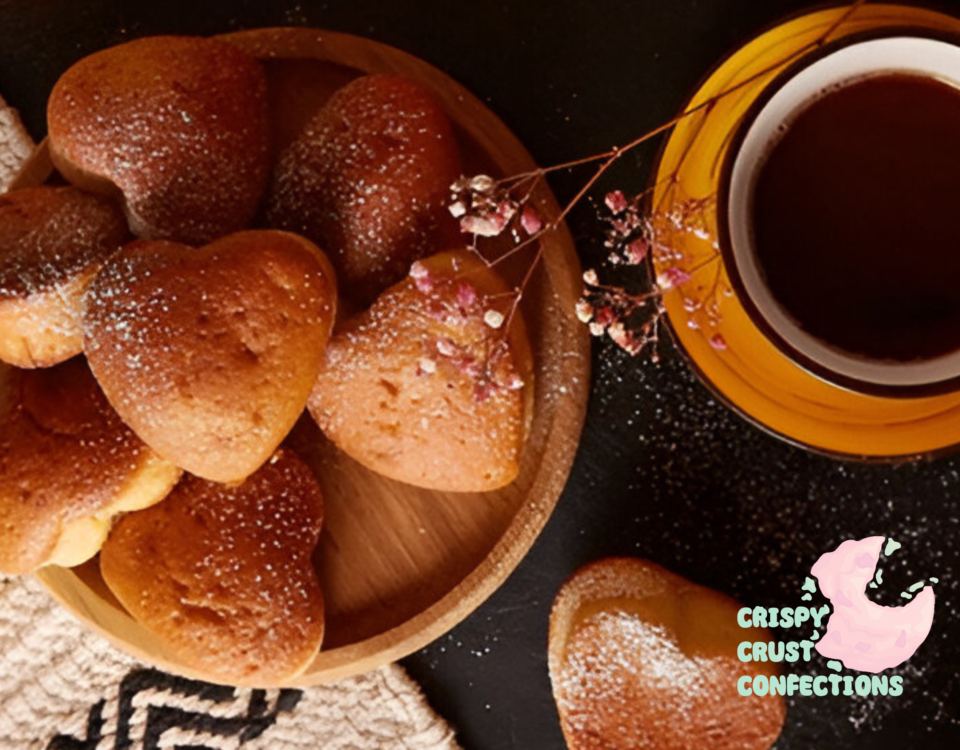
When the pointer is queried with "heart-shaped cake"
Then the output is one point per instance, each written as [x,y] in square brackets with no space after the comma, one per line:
[224,575]
[368,180]
[178,126]
[428,386]
[53,241]
[210,353]
[68,466]
[641,658]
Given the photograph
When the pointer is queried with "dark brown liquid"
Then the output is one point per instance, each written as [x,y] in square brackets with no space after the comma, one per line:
[857,218]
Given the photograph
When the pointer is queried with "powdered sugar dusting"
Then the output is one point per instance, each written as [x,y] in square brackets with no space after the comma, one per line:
[225,574]
[367,180]
[49,234]
[422,389]
[52,241]
[64,454]
[178,124]
[210,353]
[619,639]
[640,658]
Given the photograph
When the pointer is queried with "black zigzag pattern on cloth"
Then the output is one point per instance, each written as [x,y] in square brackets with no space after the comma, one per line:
[256,719]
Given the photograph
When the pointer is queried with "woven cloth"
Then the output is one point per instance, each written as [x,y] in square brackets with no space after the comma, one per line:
[63,688]
[15,144]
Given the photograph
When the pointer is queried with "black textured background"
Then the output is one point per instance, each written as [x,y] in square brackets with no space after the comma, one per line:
[664,471]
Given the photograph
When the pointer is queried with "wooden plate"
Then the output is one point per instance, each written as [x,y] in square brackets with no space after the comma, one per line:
[400,566]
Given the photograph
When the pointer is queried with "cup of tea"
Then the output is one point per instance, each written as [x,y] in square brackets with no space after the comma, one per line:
[837,210]
[823,300]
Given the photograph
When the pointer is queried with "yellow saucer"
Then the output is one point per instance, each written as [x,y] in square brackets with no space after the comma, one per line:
[750,373]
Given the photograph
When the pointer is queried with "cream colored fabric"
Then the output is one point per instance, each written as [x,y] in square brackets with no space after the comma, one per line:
[64,688]
[15,144]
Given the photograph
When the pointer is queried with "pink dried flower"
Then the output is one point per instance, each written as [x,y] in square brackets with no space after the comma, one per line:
[446,347]
[626,226]
[530,220]
[584,310]
[482,391]
[631,317]
[636,252]
[506,210]
[493,318]
[605,315]
[466,295]
[482,183]
[421,277]
[718,342]
[470,367]
[418,270]
[426,366]
[484,226]
[486,222]
[616,201]
[672,277]
[625,339]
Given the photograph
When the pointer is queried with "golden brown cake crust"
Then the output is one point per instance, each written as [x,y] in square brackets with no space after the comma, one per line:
[421,389]
[643,659]
[52,242]
[177,124]
[64,455]
[209,354]
[368,179]
[224,575]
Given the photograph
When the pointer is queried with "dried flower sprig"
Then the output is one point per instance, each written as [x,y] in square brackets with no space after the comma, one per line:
[456,303]
[635,235]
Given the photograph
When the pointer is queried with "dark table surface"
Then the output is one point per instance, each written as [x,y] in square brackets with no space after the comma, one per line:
[664,470]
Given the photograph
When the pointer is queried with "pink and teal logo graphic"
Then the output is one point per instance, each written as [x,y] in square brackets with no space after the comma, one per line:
[861,634]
